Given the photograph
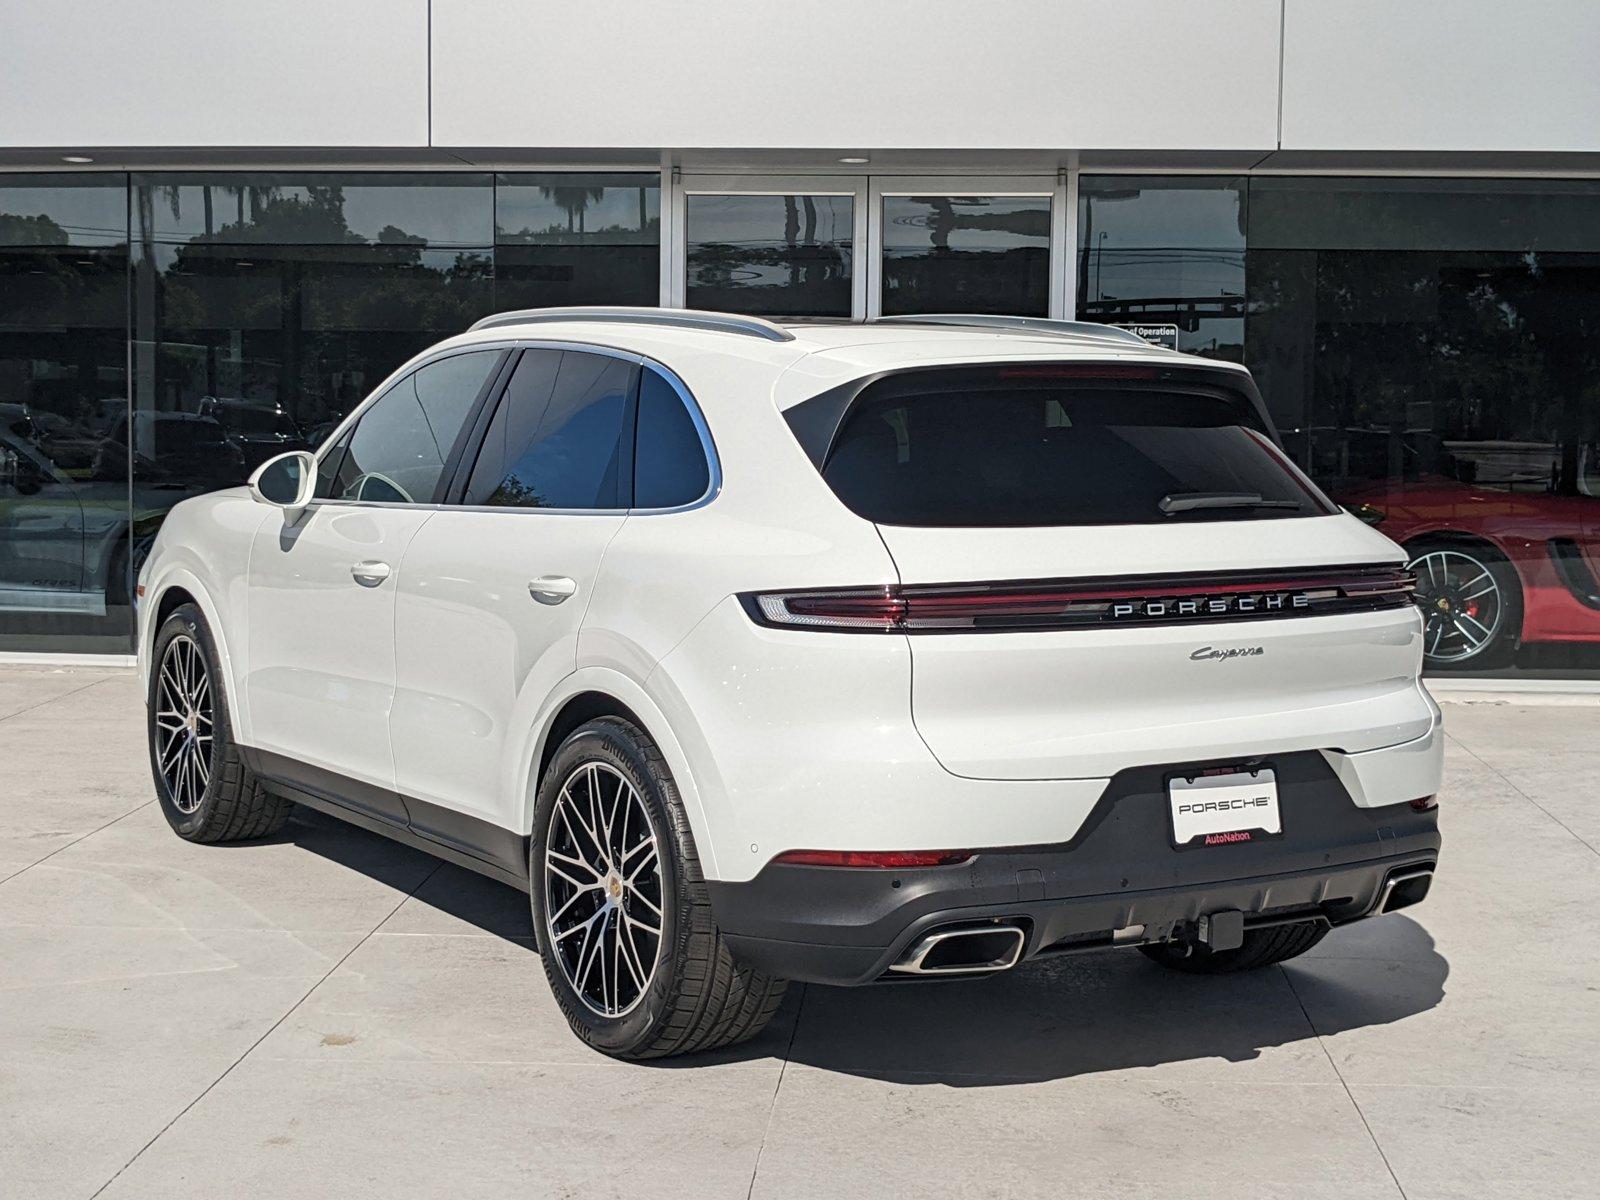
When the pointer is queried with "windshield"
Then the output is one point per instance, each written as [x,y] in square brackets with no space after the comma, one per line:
[1017,446]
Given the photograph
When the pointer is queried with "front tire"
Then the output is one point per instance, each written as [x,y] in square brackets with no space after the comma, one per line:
[620,906]
[1261,948]
[207,792]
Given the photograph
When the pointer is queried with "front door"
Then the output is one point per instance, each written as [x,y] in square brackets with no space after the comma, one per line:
[493,591]
[321,604]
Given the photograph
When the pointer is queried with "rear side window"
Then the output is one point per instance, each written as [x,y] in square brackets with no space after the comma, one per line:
[1017,447]
[556,440]
[669,461]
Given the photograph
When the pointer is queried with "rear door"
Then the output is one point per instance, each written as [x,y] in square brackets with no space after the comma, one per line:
[321,590]
[493,590]
[1105,568]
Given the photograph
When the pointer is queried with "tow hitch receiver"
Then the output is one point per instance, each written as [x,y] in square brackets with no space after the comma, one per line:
[1221,930]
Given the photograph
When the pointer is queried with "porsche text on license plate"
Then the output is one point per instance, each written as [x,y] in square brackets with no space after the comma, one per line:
[1214,810]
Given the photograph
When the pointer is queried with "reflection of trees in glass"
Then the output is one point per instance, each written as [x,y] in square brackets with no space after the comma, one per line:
[280,303]
[573,201]
[516,492]
[40,230]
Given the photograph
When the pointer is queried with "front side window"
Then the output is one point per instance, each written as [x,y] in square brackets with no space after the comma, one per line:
[1016,446]
[398,451]
[669,461]
[556,440]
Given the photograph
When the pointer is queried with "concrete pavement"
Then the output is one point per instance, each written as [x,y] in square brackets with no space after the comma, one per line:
[328,1013]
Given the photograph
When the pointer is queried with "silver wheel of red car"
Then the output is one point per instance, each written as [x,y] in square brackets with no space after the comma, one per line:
[1466,611]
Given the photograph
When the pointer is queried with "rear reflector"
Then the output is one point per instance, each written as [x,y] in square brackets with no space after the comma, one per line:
[887,860]
[1085,604]
[1425,803]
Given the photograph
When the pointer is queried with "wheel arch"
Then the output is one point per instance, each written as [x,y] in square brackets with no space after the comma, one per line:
[175,588]
[595,692]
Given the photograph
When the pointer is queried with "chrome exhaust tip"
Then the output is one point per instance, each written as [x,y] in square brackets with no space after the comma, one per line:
[1404,888]
[974,950]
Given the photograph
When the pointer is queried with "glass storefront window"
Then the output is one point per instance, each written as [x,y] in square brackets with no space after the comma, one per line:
[1165,250]
[968,254]
[773,255]
[66,541]
[1430,349]
[577,239]
[266,307]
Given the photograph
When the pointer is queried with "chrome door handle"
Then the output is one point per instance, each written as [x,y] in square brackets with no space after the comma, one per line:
[552,589]
[369,573]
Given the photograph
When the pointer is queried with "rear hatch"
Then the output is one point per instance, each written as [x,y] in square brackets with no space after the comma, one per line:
[1110,566]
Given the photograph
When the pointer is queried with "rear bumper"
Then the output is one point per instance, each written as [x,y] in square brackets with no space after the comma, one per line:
[843,926]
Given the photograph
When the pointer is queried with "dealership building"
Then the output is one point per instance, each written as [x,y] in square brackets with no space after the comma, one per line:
[222,225]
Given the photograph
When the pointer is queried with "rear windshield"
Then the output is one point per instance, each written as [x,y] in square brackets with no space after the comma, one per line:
[1011,447]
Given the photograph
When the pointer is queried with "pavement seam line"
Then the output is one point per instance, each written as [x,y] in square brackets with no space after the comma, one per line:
[1512,784]
[788,1053]
[1354,1103]
[53,699]
[75,841]
[289,1012]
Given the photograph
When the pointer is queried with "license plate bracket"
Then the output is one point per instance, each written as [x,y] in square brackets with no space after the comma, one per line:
[1218,808]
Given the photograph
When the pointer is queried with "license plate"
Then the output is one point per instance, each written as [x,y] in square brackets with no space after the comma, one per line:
[1216,810]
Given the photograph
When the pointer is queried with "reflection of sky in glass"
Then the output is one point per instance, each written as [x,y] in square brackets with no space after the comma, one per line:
[89,215]
[910,223]
[761,219]
[1128,212]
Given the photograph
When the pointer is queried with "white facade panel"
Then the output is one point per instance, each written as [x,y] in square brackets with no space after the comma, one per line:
[1418,75]
[1026,74]
[199,73]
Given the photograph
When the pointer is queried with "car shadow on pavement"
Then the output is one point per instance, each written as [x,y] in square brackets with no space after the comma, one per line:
[1086,1014]
[1113,1010]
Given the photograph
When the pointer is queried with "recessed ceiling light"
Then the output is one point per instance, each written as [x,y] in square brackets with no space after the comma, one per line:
[855,159]
[76,158]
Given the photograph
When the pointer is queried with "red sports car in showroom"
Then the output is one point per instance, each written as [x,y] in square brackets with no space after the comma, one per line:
[1495,568]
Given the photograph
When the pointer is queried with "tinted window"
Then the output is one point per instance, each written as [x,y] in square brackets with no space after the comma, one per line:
[402,442]
[556,441]
[1167,252]
[777,255]
[669,467]
[976,448]
[967,254]
[563,238]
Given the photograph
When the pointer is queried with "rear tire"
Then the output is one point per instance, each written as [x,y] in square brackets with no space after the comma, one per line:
[600,883]
[1261,948]
[207,792]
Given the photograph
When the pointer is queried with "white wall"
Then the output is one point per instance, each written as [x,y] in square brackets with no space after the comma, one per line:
[1426,75]
[213,73]
[875,74]
[1030,75]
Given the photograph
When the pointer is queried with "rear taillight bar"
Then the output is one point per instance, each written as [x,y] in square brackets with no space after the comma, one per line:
[1084,604]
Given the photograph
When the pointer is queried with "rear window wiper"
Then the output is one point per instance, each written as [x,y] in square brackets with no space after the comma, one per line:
[1181,502]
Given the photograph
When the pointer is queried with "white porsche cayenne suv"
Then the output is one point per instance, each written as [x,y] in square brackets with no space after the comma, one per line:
[911,649]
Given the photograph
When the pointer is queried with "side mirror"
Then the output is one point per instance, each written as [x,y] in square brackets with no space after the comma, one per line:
[287,482]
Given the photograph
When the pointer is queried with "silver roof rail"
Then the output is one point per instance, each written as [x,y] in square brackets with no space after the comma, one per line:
[678,318]
[1109,333]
